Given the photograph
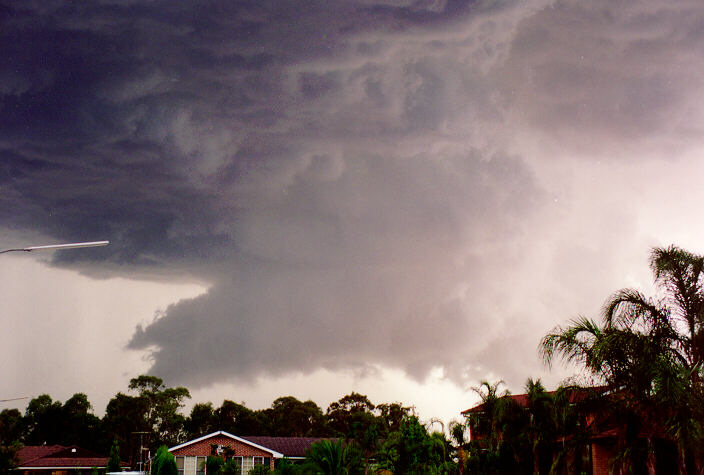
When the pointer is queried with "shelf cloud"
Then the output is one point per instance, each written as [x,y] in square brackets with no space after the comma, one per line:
[360,184]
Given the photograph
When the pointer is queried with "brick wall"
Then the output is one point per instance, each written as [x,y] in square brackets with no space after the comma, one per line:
[203,448]
[601,458]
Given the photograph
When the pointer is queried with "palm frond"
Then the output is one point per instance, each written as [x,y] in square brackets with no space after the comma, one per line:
[574,342]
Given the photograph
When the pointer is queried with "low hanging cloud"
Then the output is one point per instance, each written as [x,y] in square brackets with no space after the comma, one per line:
[347,178]
[370,263]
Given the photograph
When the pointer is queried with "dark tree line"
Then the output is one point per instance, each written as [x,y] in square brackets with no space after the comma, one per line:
[647,354]
[149,413]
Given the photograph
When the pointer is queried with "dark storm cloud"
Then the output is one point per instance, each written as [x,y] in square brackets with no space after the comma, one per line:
[330,168]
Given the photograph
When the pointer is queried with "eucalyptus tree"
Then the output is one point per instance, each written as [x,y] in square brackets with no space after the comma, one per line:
[391,415]
[289,417]
[43,420]
[238,419]
[162,405]
[201,421]
[650,349]
[350,415]
[153,414]
[11,426]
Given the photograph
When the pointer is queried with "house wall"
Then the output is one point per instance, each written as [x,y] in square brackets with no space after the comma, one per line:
[48,471]
[601,459]
[204,449]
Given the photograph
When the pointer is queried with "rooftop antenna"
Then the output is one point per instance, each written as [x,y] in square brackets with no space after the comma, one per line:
[141,449]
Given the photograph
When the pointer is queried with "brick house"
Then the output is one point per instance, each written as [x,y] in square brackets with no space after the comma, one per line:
[598,452]
[58,460]
[601,445]
[247,451]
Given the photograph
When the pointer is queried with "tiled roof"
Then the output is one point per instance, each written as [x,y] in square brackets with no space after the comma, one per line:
[577,394]
[32,452]
[59,456]
[87,462]
[289,446]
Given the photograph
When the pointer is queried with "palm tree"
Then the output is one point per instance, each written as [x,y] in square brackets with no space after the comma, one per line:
[573,409]
[486,422]
[457,433]
[496,430]
[330,457]
[650,349]
[326,457]
[541,425]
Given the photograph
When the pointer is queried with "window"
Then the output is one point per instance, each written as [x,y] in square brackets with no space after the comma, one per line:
[200,465]
[179,465]
[189,465]
[247,464]
[258,461]
[240,461]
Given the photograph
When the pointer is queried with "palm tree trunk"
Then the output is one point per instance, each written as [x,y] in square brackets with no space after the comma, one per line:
[682,459]
[536,462]
[651,462]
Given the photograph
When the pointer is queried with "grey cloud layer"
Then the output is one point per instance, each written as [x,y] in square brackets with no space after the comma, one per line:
[332,168]
[629,74]
[365,267]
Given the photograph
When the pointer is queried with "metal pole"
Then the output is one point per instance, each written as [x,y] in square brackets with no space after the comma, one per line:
[74,245]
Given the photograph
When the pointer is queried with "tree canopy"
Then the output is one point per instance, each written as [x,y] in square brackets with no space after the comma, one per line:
[650,351]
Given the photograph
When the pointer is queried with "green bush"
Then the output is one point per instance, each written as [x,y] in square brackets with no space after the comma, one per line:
[213,464]
[259,470]
[286,467]
[114,460]
[164,463]
[231,467]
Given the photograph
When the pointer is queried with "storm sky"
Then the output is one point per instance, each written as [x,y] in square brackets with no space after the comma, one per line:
[396,197]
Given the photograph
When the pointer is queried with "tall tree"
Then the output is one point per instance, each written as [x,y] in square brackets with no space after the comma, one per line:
[201,421]
[44,421]
[8,457]
[11,426]
[650,349]
[541,425]
[391,415]
[80,426]
[162,406]
[124,417]
[413,447]
[350,414]
[487,421]
[238,419]
[293,418]
[458,434]
[151,417]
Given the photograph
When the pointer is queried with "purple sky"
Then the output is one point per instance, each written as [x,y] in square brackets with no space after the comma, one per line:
[396,197]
